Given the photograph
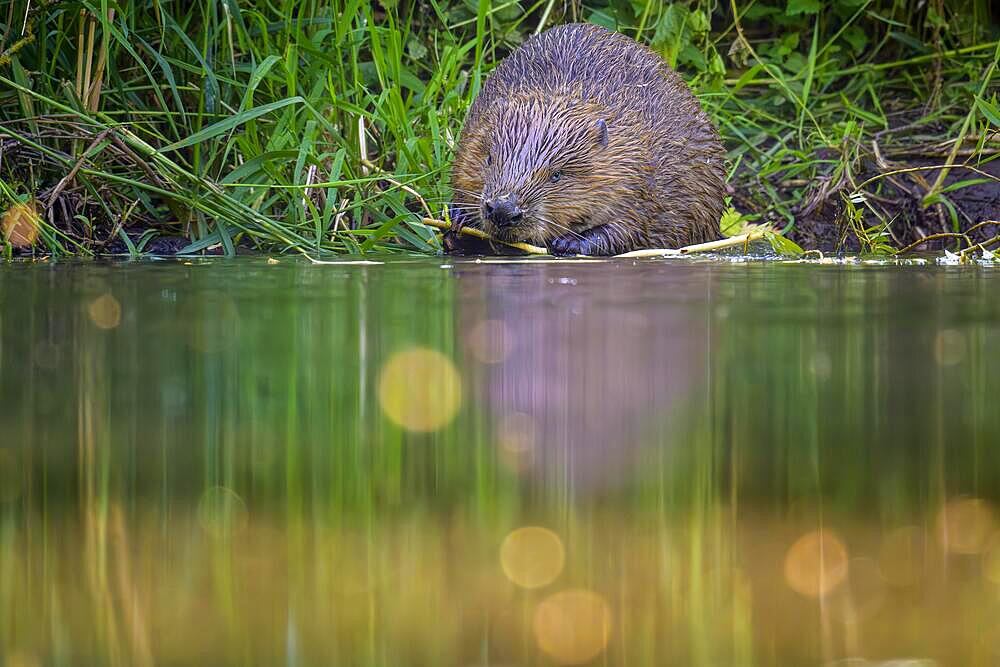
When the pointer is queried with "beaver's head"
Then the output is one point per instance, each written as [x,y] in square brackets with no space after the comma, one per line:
[542,167]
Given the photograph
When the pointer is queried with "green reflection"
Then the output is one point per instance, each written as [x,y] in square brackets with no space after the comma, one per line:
[737,464]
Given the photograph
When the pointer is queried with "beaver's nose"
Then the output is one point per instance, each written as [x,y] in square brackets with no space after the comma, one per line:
[503,211]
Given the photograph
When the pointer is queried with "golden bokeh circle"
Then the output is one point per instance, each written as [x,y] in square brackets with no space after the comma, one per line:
[532,556]
[965,525]
[816,564]
[572,627]
[419,389]
[105,312]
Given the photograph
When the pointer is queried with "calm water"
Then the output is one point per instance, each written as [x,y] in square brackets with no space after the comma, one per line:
[426,463]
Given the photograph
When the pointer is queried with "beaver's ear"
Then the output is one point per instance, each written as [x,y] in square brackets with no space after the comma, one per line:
[602,132]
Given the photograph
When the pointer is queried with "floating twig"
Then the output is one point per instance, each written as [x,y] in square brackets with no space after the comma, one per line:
[733,241]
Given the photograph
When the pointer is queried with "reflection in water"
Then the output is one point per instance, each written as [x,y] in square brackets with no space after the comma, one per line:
[498,464]
[581,370]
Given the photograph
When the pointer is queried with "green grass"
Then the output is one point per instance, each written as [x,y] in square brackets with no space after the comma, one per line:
[272,125]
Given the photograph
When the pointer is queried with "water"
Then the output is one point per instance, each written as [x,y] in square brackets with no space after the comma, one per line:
[536,463]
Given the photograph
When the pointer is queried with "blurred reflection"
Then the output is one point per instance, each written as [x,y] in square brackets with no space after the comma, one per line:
[603,463]
[585,378]
[902,556]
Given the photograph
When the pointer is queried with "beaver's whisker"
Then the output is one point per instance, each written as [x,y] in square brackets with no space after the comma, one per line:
[468,193]
[552,223]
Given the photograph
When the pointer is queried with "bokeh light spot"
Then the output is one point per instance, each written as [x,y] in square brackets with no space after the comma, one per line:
[965,525]
[949,347]
[490,341]
[420,390]
[572,627]
[532,556]
[816,564]
[20,225]
[105,312]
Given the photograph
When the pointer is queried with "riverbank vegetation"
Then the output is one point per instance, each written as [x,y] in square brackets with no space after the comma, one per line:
[300,125]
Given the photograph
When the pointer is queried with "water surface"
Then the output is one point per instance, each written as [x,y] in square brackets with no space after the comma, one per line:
[432,462]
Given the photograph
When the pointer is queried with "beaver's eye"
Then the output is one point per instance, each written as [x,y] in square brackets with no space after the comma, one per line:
[556,175]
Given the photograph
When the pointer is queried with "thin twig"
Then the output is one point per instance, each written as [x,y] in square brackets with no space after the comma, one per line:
[732,241]
[932,237]
[910,170]
[479,234]
[981,224]
[61,185]
[981,246]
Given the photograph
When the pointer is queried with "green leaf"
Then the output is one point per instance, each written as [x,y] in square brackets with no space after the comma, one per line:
[258,75]
[731,222]
[967,183]
[857,38]
[989,110]
[416,49]
[909,41]
[759,11]
[211,240]
[691,55]
[802,7]
[231,123]
[699,22]
[783,245]
[602,19]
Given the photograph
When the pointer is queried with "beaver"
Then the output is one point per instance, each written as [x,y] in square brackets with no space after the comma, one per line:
[584,141]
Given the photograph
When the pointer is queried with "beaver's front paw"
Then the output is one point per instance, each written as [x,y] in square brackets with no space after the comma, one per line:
[452,240]
[456,243]
[570,244]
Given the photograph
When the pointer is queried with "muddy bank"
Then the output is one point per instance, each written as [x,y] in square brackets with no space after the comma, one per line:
[896,205]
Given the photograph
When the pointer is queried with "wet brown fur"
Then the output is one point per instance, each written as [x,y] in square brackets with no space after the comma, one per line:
[658,181]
